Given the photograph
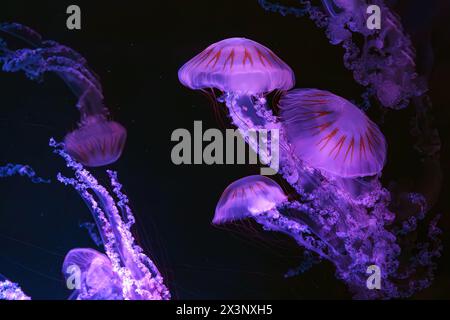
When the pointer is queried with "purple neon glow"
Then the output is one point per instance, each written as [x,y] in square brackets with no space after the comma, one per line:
[353,230]
[237,65]
[248,196]
[97,278]
[98,141]
[139,276]
[331,134]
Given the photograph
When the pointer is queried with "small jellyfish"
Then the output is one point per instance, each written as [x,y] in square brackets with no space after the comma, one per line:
[91,275]
[248,197]
[98,141]
[331,134]
[261,199]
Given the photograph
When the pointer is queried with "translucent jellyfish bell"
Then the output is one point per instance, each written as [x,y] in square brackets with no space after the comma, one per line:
[237,65]
[331,134]
[96,142]
[246,197]
[97,279]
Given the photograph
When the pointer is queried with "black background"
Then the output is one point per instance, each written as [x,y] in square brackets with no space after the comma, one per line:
[136,47]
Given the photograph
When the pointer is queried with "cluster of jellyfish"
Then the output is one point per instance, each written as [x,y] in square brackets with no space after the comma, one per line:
[123,270]
[331,153]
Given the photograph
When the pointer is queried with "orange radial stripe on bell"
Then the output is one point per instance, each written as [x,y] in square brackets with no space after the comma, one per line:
[248,56]
[262,57]
[327,138]
[229,58]
[215,57]
[314,101]
[370,143]
[322,127]
[362,147]
[373,133]
[350,146]
[203,57]
[317,114]
[338,146]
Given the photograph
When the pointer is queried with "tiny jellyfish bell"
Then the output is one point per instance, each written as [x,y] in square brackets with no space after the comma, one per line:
[331,134]
[96,278]
[96,142]
[248,197]
[237,65]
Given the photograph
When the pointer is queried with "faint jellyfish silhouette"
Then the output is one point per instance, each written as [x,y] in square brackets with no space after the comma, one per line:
[247,197]
[98,141]
[97,280]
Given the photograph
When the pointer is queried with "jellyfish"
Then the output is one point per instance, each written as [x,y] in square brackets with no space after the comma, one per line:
[125,272]
[11,291]
[248,196]
[383,60]
[260,198]
[245,71]
[96,278]
[331,134]
[237,65]
[98,141]
[384,63]
[341,217]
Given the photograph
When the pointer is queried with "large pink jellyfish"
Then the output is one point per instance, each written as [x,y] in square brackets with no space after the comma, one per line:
[98,141]
[332,134]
